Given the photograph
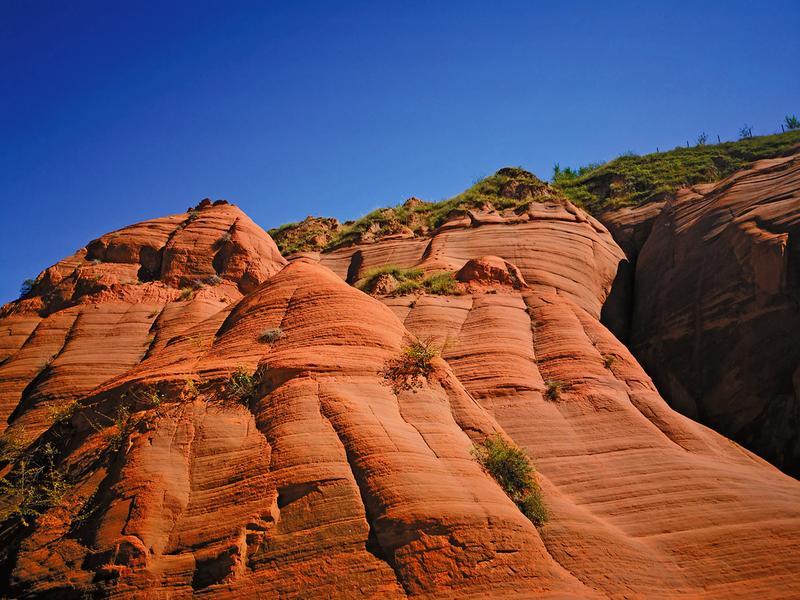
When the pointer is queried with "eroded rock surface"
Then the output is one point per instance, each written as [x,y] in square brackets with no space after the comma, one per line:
[717,307]
[243,438]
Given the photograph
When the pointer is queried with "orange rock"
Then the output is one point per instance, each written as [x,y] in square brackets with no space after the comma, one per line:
[204,456]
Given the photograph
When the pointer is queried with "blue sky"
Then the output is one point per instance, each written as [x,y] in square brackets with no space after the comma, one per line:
[116,112]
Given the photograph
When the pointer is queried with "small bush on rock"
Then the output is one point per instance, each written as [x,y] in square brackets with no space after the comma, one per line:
[33,486]
[270,335]
[513,471]
[26,287]
[553,390]
[413,366]
[242,385]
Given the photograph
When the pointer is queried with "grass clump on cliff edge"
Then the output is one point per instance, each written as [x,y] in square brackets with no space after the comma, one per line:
[310,234]
[509,188]
[511,468]
[632,180]
[401,274]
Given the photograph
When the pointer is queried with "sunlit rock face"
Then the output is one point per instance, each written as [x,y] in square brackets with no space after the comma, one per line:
[225,424]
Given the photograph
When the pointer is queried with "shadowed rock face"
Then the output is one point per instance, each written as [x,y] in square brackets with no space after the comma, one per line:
[204,457]
[717,307]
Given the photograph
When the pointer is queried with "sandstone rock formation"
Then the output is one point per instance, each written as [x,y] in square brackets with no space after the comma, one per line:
[716,315]
[205,455]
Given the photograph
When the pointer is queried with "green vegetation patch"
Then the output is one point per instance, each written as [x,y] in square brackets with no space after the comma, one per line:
[509,188]
[412,368]
[632,180]
[401,274]
[513,471]
[442,284]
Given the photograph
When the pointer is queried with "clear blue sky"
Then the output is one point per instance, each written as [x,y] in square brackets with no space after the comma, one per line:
[113,112]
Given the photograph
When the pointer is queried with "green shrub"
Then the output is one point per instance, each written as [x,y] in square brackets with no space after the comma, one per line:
[609,360]
[242,386]
[791,122]
[270,335]
[413,366]
[187,293]
[553,390]
[401,274]
[443,284]
[513,471]
[26,287]
[32,487]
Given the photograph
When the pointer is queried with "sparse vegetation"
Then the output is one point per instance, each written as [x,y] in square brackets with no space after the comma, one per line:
[702,139]
[214,280]
[62,411]
[745,132]
[123,425]
[242,385]
[26,287]
[553,389]
[190,389]
[513,471]
[192,215]
[33,486]
[413,367]
[609,360]
[13,443]
[401,274]
[269,336]
[409,280]
[187,293]
[313,233]
[635,180]
[443,284]
[511,188]
[225,238]
[791,122]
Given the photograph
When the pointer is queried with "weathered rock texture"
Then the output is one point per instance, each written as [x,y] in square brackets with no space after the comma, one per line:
[716,316]
[205,457]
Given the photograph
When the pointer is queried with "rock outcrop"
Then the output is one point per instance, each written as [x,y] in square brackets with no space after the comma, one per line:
[210,420]
[716,314]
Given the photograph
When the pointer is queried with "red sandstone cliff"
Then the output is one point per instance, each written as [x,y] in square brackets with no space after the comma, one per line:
[716,309]
[323,479]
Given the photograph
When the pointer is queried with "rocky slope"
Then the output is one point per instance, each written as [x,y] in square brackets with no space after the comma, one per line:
[198,417]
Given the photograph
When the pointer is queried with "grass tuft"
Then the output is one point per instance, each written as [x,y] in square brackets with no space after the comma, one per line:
[513,471]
